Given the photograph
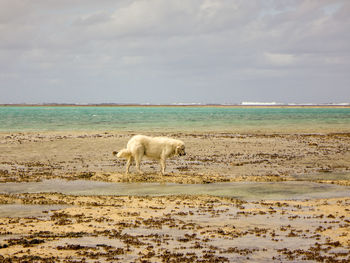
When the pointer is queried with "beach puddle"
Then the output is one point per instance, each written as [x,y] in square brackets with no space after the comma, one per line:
[88,241]
[21,210]
[240,190]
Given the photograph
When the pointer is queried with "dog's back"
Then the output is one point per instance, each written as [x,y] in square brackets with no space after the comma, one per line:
[157,148]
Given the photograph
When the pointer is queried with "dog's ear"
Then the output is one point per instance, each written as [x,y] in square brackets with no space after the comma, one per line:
[177,150]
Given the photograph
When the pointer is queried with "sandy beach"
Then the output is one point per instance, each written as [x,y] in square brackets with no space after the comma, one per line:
[211,157]
[180,228]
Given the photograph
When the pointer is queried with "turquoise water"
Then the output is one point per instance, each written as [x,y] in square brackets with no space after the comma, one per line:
[172,118]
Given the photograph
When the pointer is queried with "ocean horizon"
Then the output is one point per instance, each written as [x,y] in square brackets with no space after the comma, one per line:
[241,104]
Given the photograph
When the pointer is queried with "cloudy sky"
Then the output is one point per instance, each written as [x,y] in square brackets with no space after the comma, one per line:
[165,51]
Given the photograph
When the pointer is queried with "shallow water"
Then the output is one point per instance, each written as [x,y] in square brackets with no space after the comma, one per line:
[89,241]
[21,210]
[240,190]
[172,118]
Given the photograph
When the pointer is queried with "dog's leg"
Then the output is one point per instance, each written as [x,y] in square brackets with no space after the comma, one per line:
[162,166]
[138,159]
[128,164]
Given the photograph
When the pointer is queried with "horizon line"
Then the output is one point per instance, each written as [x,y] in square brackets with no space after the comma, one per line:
[179,104]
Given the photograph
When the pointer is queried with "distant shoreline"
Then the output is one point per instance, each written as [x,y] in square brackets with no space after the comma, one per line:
[184,105]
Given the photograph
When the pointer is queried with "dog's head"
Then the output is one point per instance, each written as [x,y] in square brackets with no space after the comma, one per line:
[180,150]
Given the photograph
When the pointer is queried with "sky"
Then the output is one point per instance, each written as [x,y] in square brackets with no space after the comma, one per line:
[165,51]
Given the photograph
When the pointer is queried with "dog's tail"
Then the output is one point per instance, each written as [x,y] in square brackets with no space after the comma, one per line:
[125,153]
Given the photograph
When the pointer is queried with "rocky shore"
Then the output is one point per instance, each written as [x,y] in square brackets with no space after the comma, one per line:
[179,228]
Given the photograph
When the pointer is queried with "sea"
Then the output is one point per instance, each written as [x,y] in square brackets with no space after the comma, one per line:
[219,118]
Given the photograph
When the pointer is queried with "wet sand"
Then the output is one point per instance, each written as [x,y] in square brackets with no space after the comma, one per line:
[174,228]
[211,157]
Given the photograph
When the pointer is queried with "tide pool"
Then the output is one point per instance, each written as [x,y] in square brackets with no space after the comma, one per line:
[240,190]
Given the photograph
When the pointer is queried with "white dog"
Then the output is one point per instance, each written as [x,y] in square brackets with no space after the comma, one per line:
[158,148]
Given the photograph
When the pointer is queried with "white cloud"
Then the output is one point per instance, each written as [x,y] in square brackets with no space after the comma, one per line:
[279,59]
[132,60]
